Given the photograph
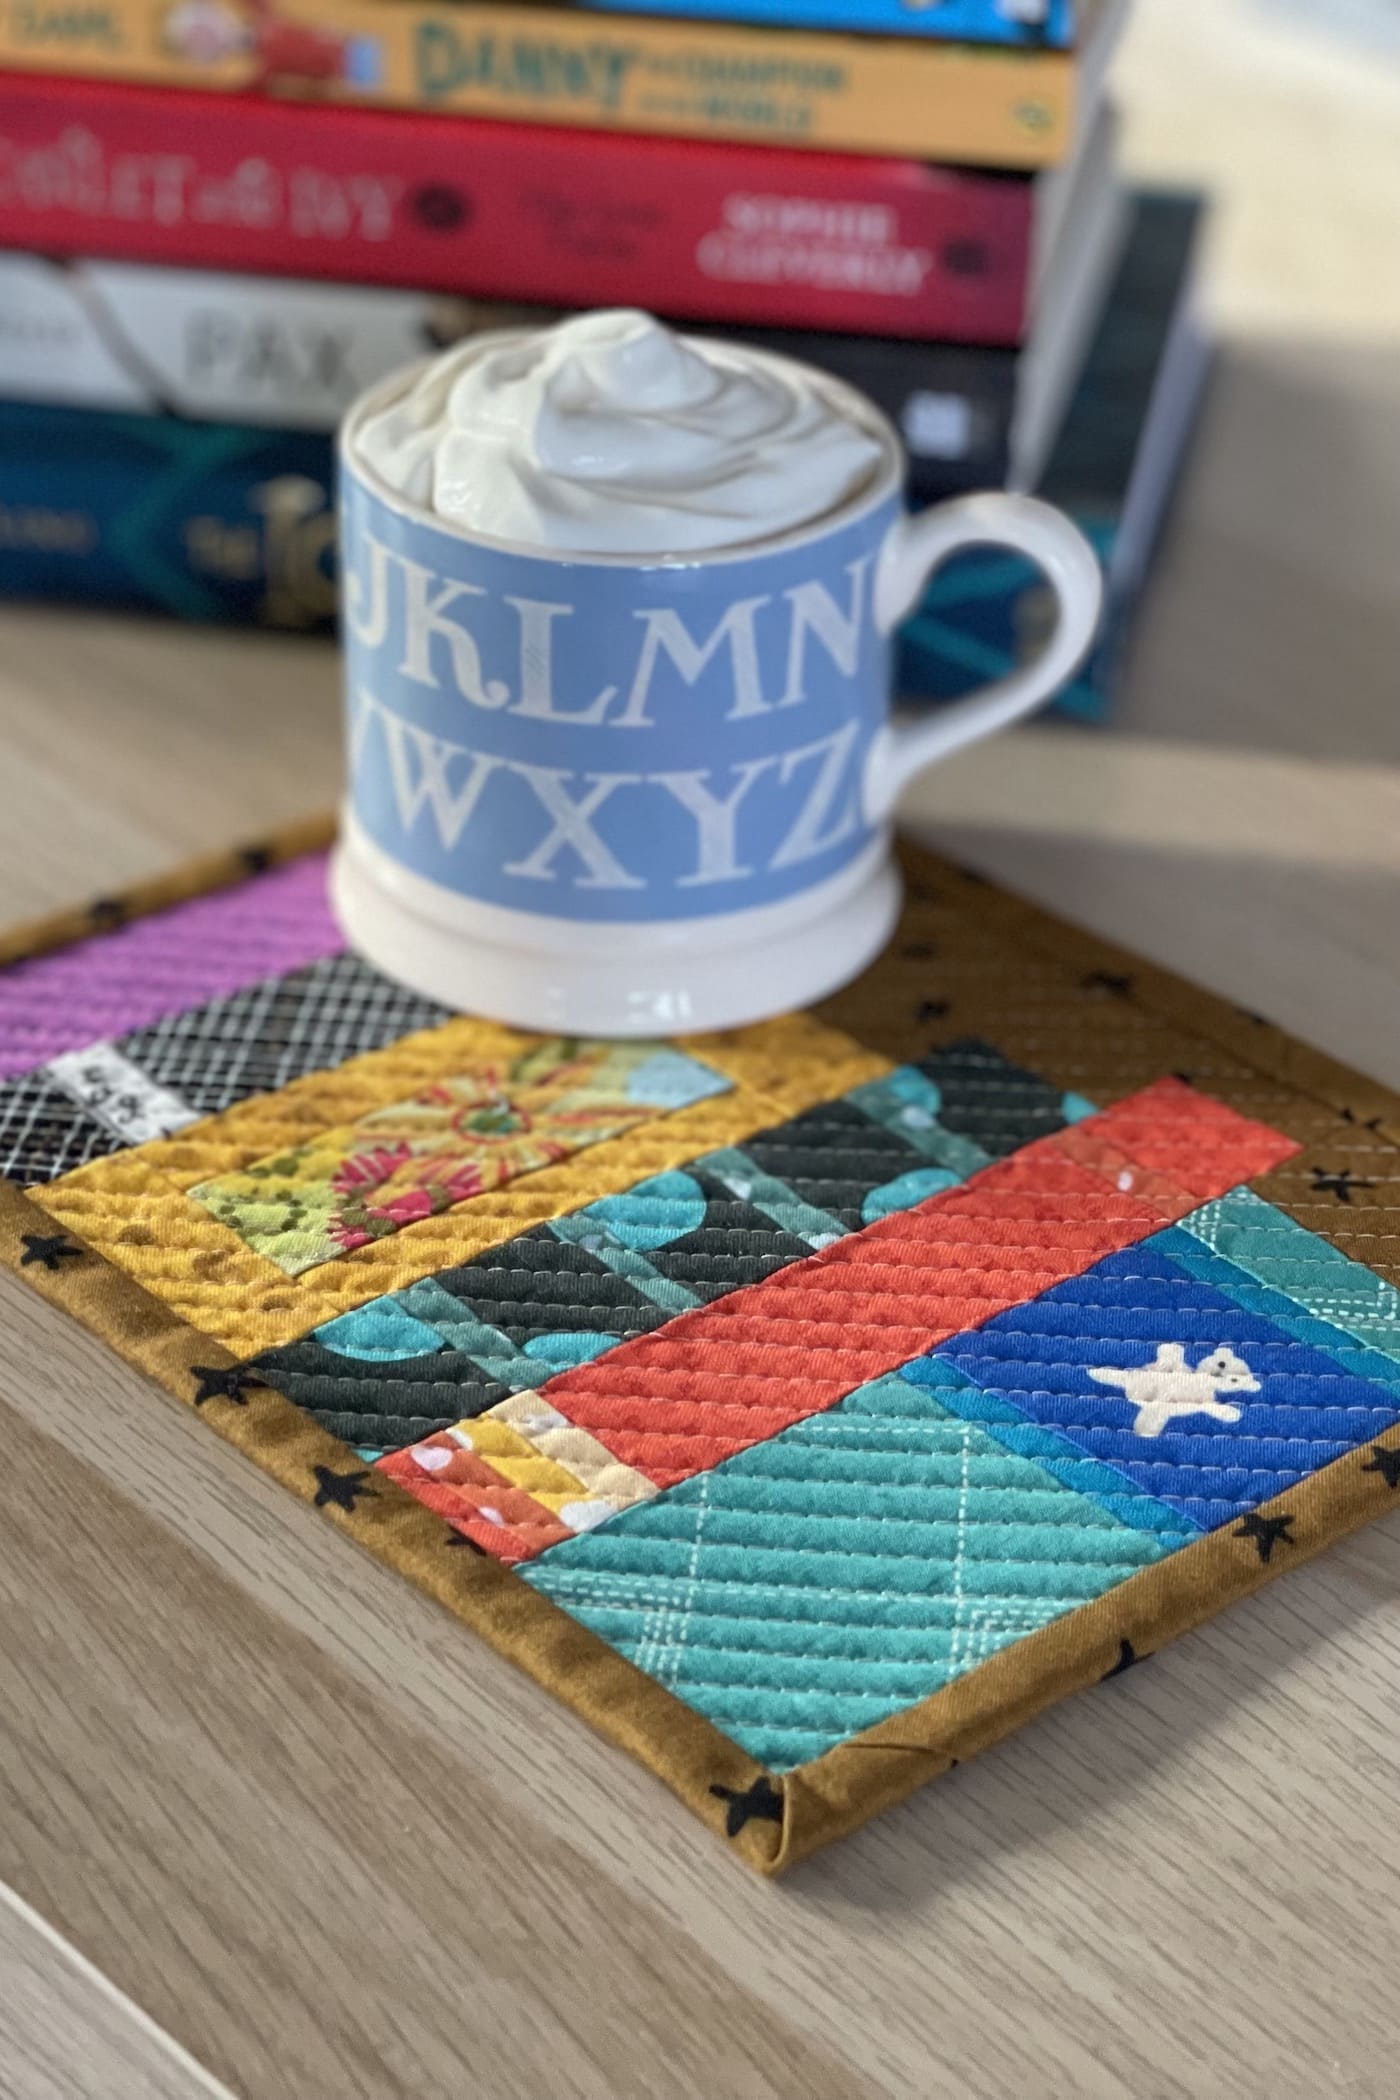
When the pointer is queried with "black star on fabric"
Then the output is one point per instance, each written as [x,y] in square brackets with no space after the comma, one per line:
[934,1009]
[342,1489]
[51,1250]
[230,1382]
[1128,1659]
[255,858]
[1110,981]
[1265,1532]
[1385,1462]
[107,912]
[762,1801]
[1339,1184]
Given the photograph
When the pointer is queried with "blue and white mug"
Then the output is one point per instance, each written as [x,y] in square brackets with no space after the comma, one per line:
[615,796]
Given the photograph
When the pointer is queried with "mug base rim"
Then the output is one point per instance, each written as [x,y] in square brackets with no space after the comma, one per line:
[680,978]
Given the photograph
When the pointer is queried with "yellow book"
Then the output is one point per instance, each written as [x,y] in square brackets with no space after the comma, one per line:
[997,106]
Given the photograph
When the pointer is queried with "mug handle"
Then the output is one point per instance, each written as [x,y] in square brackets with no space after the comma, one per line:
[917,546]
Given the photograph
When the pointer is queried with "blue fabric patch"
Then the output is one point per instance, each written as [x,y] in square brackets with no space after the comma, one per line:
[1197,1401]
[1280,1253]
[1111,1489]
[1284,1311]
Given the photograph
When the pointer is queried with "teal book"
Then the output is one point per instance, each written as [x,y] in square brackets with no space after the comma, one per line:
[204,521]
[1113,468]
[1045,23]
[217,521]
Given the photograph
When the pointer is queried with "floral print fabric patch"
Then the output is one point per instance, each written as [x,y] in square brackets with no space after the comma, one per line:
[456,1139]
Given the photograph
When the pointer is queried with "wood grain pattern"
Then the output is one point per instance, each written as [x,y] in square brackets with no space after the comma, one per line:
[67,2034]
[336,1848]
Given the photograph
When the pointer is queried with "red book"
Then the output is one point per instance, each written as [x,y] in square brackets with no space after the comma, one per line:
[503,211]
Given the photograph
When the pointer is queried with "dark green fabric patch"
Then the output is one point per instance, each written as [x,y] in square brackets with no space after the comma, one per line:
[536,1285]
[735,1245]
[832,1157]
[375,1405]
[995,1104]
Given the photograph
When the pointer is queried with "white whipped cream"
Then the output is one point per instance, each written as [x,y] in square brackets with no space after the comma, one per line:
[610,435]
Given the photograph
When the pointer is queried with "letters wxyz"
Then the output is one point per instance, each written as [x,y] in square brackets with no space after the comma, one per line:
[446,784]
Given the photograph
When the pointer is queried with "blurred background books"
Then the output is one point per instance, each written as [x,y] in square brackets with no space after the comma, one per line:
[211,240]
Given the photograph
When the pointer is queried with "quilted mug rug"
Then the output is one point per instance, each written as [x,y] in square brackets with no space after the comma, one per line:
[807,1406]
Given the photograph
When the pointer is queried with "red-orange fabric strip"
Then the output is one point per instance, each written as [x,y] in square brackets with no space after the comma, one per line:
[732,1373]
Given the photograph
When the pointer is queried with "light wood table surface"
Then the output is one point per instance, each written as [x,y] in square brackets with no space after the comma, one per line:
[262,1803]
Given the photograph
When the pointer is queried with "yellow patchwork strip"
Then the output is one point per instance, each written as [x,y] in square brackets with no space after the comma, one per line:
[596,1472]
[574,1501]
[136,1210]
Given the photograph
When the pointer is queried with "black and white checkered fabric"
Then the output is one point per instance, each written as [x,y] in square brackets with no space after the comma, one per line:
[213,1055]
[44,1133]
[256,1041]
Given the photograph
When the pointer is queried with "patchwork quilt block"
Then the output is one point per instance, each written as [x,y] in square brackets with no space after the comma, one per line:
[814,1402]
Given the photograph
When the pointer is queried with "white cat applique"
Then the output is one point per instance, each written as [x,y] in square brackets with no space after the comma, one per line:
[1167,1388]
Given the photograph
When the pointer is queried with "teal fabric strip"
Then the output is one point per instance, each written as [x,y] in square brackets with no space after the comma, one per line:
[907,1102]
[584,1229]
[493,1352]
[1273,1266]
[846,1568]
[744,1179]
[1112,1490]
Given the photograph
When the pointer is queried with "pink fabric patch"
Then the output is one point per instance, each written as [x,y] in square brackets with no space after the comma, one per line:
[113,982]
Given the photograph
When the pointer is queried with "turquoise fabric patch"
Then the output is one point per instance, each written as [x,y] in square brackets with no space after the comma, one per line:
[905,1191]
[583,1228]
[460,1328]
[668,1079]
[561,1352]
[744,1178]
[650,1215]
[1108,1487]
[379,1333]
[846,1568]
[906,1102]
[1308,1272]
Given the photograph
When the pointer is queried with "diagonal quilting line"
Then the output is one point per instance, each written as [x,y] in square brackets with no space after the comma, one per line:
[740,1370]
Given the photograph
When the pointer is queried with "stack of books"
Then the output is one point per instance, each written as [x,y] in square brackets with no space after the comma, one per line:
[221,219]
